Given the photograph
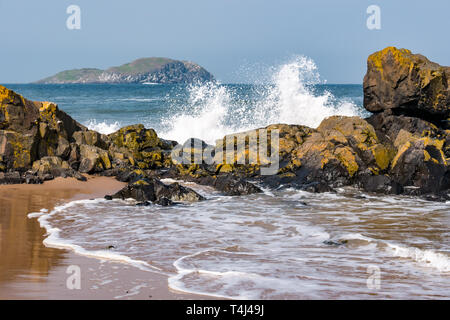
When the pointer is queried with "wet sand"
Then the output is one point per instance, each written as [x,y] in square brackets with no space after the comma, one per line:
[29,270]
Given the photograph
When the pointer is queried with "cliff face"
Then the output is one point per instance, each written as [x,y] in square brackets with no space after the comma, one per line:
[153,70]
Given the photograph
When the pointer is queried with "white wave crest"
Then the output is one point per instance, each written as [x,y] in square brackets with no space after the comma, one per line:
[428,258]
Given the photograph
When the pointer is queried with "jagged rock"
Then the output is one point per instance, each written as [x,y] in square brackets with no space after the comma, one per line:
[421,163]
[337,153]
[63,149]
[92,138]
[93,159]
[407,84]
[229,184]
[17,150]
[50,165]
[141,147]
[32,130]
[130,176]
[422,152]
[17,113]
[154,190]
[381,184]
[234,186]
[135,138]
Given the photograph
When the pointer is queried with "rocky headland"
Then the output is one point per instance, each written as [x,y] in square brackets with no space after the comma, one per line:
[145,70]
[403,148]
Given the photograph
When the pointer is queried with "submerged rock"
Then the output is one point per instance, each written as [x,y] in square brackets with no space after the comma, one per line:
[336,243]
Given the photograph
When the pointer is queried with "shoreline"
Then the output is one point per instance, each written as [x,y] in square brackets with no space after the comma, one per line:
[29,270]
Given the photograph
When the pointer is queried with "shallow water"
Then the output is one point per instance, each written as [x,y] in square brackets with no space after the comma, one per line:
[272,245]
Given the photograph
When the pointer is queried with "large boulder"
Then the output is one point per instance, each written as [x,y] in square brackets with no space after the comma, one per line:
[337,153]
[33,130]
[91,138]
[93,159]
[17,113]
[421,162]
[17,151]
[142,147]
[50,165]
[405,83]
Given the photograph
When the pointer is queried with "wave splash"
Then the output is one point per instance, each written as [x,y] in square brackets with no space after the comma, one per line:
[214,110]
[103,127]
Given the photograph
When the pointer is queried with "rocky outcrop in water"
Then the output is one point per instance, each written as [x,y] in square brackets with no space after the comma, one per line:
[403,148]
[145,70]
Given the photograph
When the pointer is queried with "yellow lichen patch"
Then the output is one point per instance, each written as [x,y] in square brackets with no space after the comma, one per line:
[403,137]
[224,168]
[401,151]
[10,97]
[344,156]
[296,163]
[401,56]
[347,158]
[48,112]
[375,170]
[141,183]
[427,141]
[427,156]
[353,127]
[48,107]
[381,155]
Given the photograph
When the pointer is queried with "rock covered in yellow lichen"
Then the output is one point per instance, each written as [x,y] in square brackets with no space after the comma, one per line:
[407,83]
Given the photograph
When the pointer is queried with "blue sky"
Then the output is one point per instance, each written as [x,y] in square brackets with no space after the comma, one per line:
[224,36]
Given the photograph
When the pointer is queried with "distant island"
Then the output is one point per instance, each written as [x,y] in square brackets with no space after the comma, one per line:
[145,70]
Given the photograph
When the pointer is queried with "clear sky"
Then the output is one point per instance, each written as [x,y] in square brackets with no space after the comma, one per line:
[224,36]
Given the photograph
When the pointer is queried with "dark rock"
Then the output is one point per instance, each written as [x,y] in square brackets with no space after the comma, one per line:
[154,190]
[91,138]
[143,204]
[79,176]
[108,197]
[335,242]
[415,166]
[381,184]
[230,185]
[164,202]
[407,84]
[11,178]
[93,159]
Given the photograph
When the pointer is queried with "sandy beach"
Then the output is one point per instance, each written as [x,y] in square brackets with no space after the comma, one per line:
[29,270]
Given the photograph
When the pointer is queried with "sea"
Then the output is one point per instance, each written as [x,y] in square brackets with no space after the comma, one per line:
[281,244]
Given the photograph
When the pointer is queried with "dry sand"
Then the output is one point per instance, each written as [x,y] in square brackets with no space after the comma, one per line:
[29,270]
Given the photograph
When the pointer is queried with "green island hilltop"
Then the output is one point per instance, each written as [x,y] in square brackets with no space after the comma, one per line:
[145,70]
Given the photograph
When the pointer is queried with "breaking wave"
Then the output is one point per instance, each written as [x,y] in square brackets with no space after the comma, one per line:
[214,110]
